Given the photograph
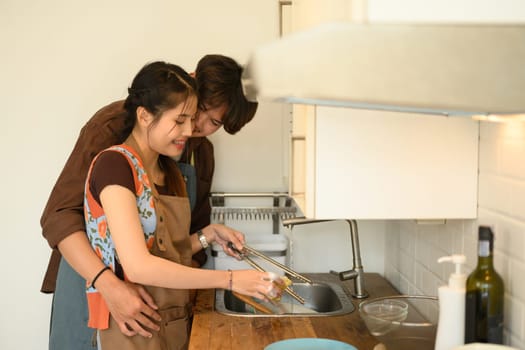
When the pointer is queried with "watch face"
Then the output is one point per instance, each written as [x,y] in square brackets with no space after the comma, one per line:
[203,240]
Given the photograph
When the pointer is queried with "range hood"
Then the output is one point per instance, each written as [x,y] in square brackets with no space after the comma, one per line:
[450,69]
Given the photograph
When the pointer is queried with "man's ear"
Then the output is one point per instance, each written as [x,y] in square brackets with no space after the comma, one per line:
[192,74]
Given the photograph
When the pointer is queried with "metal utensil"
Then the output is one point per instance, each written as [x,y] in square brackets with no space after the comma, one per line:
[278,264]
[244,255]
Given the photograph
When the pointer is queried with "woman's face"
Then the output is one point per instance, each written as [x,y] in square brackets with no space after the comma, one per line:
[208,121]
[169,134]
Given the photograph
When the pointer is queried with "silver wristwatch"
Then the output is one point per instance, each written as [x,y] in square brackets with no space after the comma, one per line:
[202,239]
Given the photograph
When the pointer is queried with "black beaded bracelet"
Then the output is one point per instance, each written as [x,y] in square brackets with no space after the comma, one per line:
[98,275]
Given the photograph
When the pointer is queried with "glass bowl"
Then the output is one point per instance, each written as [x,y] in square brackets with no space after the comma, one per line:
[402,322]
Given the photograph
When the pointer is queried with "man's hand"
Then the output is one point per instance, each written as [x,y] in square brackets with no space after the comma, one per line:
[130,305]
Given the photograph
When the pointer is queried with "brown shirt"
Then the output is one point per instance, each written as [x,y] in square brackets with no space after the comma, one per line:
[64,211]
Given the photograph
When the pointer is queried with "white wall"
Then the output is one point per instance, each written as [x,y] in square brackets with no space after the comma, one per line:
[61,61]
[326,246]
[256,158]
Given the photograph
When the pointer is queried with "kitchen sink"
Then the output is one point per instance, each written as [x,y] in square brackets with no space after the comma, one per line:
[321,299]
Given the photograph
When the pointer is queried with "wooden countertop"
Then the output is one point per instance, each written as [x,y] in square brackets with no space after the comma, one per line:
[212,330]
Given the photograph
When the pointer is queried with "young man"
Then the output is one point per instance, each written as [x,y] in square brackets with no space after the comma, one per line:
[221,103]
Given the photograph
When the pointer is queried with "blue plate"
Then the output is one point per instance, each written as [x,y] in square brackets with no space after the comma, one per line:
[309,344]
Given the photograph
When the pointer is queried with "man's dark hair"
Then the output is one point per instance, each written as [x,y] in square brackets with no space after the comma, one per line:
[219,83]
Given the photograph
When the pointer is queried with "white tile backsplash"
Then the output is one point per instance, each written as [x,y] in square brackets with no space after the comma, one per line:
[501,204]
[517,274]
[518,199]
[510,151]
[515,311]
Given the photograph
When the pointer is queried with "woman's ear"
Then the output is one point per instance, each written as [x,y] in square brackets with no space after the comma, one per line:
[143,116]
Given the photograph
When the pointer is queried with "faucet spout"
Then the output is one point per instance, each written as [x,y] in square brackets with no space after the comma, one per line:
[290,223]
[357,272]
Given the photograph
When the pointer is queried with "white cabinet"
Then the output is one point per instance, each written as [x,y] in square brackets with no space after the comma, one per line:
[360,164]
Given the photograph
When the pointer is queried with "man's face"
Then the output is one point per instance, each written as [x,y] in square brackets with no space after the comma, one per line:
[208,120]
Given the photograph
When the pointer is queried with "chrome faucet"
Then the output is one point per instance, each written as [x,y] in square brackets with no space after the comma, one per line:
[356,273]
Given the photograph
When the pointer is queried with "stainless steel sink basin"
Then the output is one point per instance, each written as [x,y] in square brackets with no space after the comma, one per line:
[321,299]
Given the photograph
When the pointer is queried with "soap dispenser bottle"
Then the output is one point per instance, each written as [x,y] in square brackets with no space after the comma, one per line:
[451,324]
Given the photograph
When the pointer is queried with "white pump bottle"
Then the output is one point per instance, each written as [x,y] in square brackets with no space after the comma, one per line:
[451,325]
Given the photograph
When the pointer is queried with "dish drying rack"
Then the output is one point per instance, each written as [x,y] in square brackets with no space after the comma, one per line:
[280,210]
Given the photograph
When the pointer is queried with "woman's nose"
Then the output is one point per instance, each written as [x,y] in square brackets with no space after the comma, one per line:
[187,127]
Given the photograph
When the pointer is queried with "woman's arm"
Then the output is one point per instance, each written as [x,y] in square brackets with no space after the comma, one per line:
[127,302]
[140,266]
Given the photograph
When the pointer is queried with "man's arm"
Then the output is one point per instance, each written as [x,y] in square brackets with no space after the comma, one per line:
[200,149]
[128,303]
[204,167]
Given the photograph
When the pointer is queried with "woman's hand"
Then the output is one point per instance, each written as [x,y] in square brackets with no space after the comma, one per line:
[257,284]
[222,235]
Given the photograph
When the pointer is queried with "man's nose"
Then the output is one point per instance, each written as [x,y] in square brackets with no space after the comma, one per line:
[197,122]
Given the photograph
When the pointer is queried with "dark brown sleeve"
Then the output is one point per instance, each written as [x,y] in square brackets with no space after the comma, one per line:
[204,167]
[111,168]
[202,150]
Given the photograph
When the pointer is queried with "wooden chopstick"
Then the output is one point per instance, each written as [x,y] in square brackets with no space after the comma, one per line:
[256,305]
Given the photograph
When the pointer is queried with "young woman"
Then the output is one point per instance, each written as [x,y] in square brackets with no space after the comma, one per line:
[138,215]
[221,104]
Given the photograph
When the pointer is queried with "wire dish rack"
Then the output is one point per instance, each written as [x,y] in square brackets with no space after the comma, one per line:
[281,207]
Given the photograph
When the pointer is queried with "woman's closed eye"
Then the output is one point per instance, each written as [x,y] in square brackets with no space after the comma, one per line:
[182,118]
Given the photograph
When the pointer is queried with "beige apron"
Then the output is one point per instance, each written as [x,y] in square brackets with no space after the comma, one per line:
[172,242]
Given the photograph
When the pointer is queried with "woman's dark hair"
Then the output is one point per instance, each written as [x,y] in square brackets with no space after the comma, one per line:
[219,83]
[157,87]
